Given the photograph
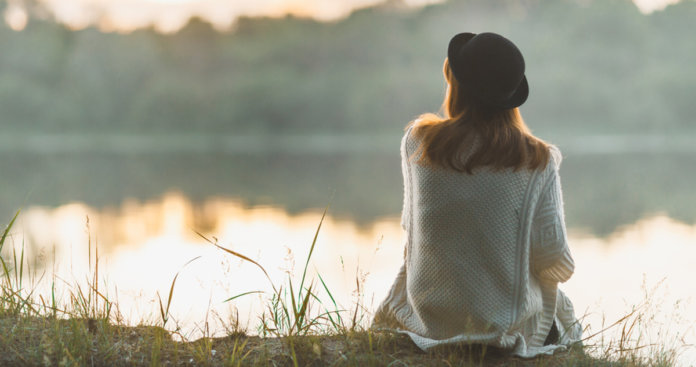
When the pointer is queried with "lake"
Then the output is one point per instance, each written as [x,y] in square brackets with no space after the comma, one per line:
[631,216]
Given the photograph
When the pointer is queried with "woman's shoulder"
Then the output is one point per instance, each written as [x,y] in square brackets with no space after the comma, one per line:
[422,121]
[414,124]
[409,140]
[555,157]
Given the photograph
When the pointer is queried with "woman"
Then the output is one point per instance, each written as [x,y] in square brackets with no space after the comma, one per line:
[486,241]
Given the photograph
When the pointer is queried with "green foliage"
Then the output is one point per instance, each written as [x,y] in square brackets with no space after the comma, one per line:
[288,312]
[598,65]
[595,68]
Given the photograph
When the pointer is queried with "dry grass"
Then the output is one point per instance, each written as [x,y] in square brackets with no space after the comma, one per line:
[87,342]
[297,328]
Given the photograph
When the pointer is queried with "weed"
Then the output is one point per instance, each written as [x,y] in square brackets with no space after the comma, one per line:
[289,309]
[87,330]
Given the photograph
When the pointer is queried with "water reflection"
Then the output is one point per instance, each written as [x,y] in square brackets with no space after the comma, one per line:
[603,191]
[143,245]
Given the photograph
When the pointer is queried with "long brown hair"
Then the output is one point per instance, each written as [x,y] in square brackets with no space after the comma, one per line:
[504,139]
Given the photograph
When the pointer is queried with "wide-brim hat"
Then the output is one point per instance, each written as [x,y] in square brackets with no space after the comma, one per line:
[490,69]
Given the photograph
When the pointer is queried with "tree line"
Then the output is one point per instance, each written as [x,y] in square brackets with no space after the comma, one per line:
[598,66]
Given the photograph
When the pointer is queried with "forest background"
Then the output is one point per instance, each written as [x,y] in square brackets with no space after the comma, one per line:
[602,75]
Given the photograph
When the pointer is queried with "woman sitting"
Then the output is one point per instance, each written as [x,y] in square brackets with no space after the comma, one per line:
[483,212]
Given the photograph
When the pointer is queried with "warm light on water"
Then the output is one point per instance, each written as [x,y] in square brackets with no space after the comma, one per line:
[143,245]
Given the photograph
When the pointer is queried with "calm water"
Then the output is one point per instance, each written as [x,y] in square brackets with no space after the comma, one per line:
[631,216]
[142,245]
[606,186]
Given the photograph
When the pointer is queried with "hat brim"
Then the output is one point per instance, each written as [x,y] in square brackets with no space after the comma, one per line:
[519,97]
[455,45]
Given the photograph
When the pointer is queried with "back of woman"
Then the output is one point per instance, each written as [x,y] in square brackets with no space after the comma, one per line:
[486,243]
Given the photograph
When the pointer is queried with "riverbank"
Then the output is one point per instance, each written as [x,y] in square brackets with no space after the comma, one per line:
[47,341]
[77,323]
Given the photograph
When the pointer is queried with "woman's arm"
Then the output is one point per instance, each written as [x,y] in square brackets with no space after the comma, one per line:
[405,155]
[551,258]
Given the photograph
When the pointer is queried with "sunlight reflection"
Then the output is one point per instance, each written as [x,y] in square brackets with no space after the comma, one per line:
[142,246]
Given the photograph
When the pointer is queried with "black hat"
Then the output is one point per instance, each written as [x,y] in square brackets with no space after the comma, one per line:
[490,68]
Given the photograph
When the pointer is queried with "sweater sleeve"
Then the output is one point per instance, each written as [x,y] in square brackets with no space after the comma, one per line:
[406,209]
[551,258]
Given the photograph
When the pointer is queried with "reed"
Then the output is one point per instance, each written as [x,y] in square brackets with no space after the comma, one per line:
[301,325]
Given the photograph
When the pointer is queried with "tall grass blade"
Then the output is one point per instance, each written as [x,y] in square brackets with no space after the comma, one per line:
[53,296]
[162,313]
[7,230]
[107,303]
[21,267]
[5,268]
[303,309]
[95,281]
[355,314]
[331,297]
[619,321]
[332,300]
[237,254]
[241,295]
[311,249]
[283,308]
[292,299]
[14,261]
[165,312]
[171,293]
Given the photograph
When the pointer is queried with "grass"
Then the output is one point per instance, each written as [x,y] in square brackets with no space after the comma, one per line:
[301,325]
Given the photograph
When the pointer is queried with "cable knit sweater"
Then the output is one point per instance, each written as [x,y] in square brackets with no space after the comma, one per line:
[484,255]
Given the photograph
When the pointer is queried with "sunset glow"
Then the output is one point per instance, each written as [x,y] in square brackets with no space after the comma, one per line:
[143,245]
[171,15]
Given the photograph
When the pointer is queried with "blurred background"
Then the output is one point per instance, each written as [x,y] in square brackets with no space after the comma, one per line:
[150,116]
[102,101]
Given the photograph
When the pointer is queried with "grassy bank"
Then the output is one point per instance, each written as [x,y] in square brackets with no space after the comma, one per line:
[299,325]
[91,342]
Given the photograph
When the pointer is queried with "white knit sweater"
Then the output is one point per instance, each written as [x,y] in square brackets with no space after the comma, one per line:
[484,255]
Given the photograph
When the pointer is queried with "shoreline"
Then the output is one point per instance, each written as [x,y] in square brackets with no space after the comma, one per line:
[34,341]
